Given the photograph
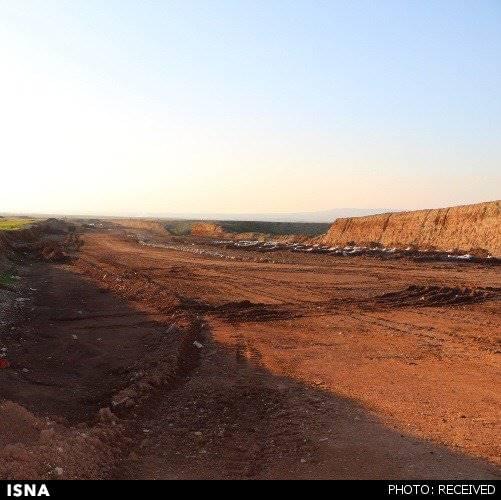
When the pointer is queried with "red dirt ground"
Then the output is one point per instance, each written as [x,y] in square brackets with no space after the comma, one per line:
[139,362]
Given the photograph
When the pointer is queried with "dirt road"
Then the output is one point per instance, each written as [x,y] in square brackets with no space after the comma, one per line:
[228,364]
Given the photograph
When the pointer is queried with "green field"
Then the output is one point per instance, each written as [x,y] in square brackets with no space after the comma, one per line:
[10,224]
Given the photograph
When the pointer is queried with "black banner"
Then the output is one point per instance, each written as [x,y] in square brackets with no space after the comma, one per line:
[147,489]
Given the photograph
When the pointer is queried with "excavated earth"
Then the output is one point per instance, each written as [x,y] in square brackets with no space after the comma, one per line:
[173,360]
[466,227]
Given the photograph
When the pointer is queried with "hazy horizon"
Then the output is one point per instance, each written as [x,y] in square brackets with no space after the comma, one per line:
[262,107]
[316,216]
[321,216]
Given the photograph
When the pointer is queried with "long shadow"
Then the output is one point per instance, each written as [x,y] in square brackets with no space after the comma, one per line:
[77,345]
[72,345]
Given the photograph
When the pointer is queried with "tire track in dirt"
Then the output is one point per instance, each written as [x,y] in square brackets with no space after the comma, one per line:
[190,406]
[437,296]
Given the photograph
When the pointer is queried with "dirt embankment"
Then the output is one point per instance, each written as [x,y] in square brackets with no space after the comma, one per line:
[208,229]
[50,240]
[152,227]
[472,229]
[464,228]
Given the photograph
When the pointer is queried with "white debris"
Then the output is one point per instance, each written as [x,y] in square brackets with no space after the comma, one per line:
[461,257]
[197,344]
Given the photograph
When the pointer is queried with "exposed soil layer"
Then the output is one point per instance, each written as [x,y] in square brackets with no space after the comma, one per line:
[175,361]
[465,227]
[469,229]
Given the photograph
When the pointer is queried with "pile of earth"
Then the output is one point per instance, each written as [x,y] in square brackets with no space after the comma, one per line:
[51,240]
[217,231]
[148,226]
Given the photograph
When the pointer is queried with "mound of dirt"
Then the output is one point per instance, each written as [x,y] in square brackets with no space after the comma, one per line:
[53,252]
[436,296]
[152,227]
[56,226]
[239,311]
[19,425]
[464,228]
[35,447]
[207,229]
[50,240]
[155,228]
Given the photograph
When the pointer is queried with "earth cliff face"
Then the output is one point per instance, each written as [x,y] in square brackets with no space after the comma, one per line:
[464,227]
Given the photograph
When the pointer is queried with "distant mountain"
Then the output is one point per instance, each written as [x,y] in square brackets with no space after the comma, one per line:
[321,216]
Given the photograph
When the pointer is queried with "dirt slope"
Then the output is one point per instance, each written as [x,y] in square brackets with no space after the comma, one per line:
[44,240]
[464,227]
[207,229]
[152,227]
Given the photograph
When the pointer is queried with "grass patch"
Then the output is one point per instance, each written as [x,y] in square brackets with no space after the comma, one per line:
[7,279]
[179,228]
[13,224]
[275,228]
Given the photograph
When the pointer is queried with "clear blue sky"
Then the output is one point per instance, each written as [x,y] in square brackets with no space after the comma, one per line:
[248,106]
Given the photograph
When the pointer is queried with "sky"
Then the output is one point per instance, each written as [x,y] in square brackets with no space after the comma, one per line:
[125,107]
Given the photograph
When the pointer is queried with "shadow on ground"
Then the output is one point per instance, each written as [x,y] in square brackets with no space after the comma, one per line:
[74,346]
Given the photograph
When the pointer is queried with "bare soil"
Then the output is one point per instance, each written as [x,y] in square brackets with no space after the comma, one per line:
[142,362]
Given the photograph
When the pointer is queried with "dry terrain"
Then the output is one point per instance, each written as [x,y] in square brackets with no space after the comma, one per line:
[144,355]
